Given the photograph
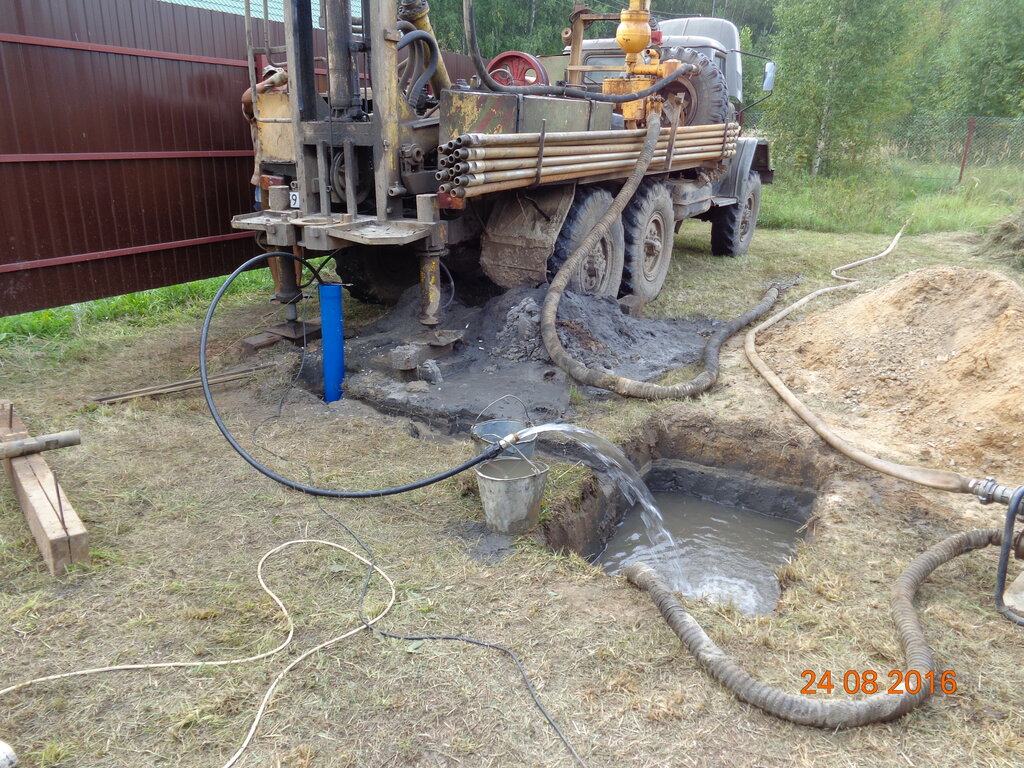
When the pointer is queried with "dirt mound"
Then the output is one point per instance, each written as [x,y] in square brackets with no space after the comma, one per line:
[937,355]
[1006,239]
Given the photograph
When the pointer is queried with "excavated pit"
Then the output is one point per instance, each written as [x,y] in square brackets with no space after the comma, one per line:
[737,497]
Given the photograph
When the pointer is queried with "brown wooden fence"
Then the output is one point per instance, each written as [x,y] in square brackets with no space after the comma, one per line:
[122,149]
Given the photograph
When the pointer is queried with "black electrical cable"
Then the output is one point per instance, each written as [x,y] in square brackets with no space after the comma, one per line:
[490,453]
[1004,557]
[451,283]
[371,569]
[469,20]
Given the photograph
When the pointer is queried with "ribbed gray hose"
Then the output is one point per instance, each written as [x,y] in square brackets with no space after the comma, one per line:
[810,710]
[619,384]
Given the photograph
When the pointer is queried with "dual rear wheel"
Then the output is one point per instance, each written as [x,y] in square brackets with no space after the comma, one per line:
[633,258]
[634,255]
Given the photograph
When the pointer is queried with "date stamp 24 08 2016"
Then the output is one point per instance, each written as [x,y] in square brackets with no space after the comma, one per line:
[869,681]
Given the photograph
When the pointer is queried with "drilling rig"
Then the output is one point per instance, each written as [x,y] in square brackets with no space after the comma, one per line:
[374,155]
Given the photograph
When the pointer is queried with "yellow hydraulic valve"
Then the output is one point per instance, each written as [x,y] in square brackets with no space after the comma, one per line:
[633,36]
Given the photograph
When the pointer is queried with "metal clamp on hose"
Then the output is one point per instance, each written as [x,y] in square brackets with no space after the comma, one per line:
[988,491]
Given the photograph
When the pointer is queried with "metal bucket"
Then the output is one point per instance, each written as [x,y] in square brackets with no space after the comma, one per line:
[487,433]
[511,490]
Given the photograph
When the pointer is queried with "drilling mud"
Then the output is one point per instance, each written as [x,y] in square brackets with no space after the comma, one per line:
[447,377]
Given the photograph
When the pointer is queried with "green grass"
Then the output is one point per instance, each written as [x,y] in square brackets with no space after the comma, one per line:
[880,199]
[141,309]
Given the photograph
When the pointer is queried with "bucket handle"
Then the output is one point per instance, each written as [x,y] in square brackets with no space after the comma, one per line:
[512,447]
[526,411]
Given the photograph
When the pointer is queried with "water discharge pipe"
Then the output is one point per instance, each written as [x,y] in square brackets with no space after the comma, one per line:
[806,710]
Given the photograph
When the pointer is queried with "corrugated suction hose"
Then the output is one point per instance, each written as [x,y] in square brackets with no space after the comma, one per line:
[619,384]
[806,710]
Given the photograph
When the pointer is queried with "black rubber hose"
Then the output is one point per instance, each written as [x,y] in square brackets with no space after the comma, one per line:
[808,710]
[1004,557]
[469,20]
[490,453]
[435,55]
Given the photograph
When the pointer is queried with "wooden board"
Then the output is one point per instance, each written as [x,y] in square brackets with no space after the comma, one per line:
[58,531]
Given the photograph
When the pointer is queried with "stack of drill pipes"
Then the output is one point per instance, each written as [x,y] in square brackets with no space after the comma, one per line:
[473,185]
[475,164]
[507,153]
[582,164]
[525,145]
[513,164]
[575,137]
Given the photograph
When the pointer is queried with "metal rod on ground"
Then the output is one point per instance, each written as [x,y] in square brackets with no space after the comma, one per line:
[180,386]
[27,445]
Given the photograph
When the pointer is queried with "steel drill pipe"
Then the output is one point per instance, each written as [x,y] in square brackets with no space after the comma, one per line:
[581,157]
[582,137]
[483,189]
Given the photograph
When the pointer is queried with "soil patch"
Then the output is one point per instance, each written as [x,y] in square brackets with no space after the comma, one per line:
[932,358]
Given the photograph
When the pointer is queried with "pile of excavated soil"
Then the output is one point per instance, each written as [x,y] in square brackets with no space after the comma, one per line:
[937,355]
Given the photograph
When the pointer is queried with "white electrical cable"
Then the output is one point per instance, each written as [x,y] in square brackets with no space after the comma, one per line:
[287,641]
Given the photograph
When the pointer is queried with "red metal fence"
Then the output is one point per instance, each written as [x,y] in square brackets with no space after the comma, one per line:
[123,153]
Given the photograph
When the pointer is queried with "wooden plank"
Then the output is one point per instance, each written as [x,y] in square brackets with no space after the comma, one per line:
[253,344]
[56,527]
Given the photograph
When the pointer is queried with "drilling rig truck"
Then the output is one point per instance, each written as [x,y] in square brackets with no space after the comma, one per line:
[381,159]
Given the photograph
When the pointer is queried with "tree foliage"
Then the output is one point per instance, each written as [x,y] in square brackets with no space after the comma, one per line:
[847,68]
[839,77]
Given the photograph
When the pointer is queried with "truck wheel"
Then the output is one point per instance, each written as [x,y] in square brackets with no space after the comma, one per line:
[648,224]
[377,274]
[732,226]
[600,273]
[706,94]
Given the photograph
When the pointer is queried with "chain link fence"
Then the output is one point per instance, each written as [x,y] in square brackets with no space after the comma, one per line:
[942,149]
[950,148]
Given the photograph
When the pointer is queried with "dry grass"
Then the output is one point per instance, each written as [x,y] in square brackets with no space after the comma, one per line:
[178,522]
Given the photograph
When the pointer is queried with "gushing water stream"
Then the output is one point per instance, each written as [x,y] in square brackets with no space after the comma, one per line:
[608,459]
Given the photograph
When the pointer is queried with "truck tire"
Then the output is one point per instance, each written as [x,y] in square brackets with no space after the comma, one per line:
[377,274]
[732,226]
[648,225]
[706,94]
[600,274]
